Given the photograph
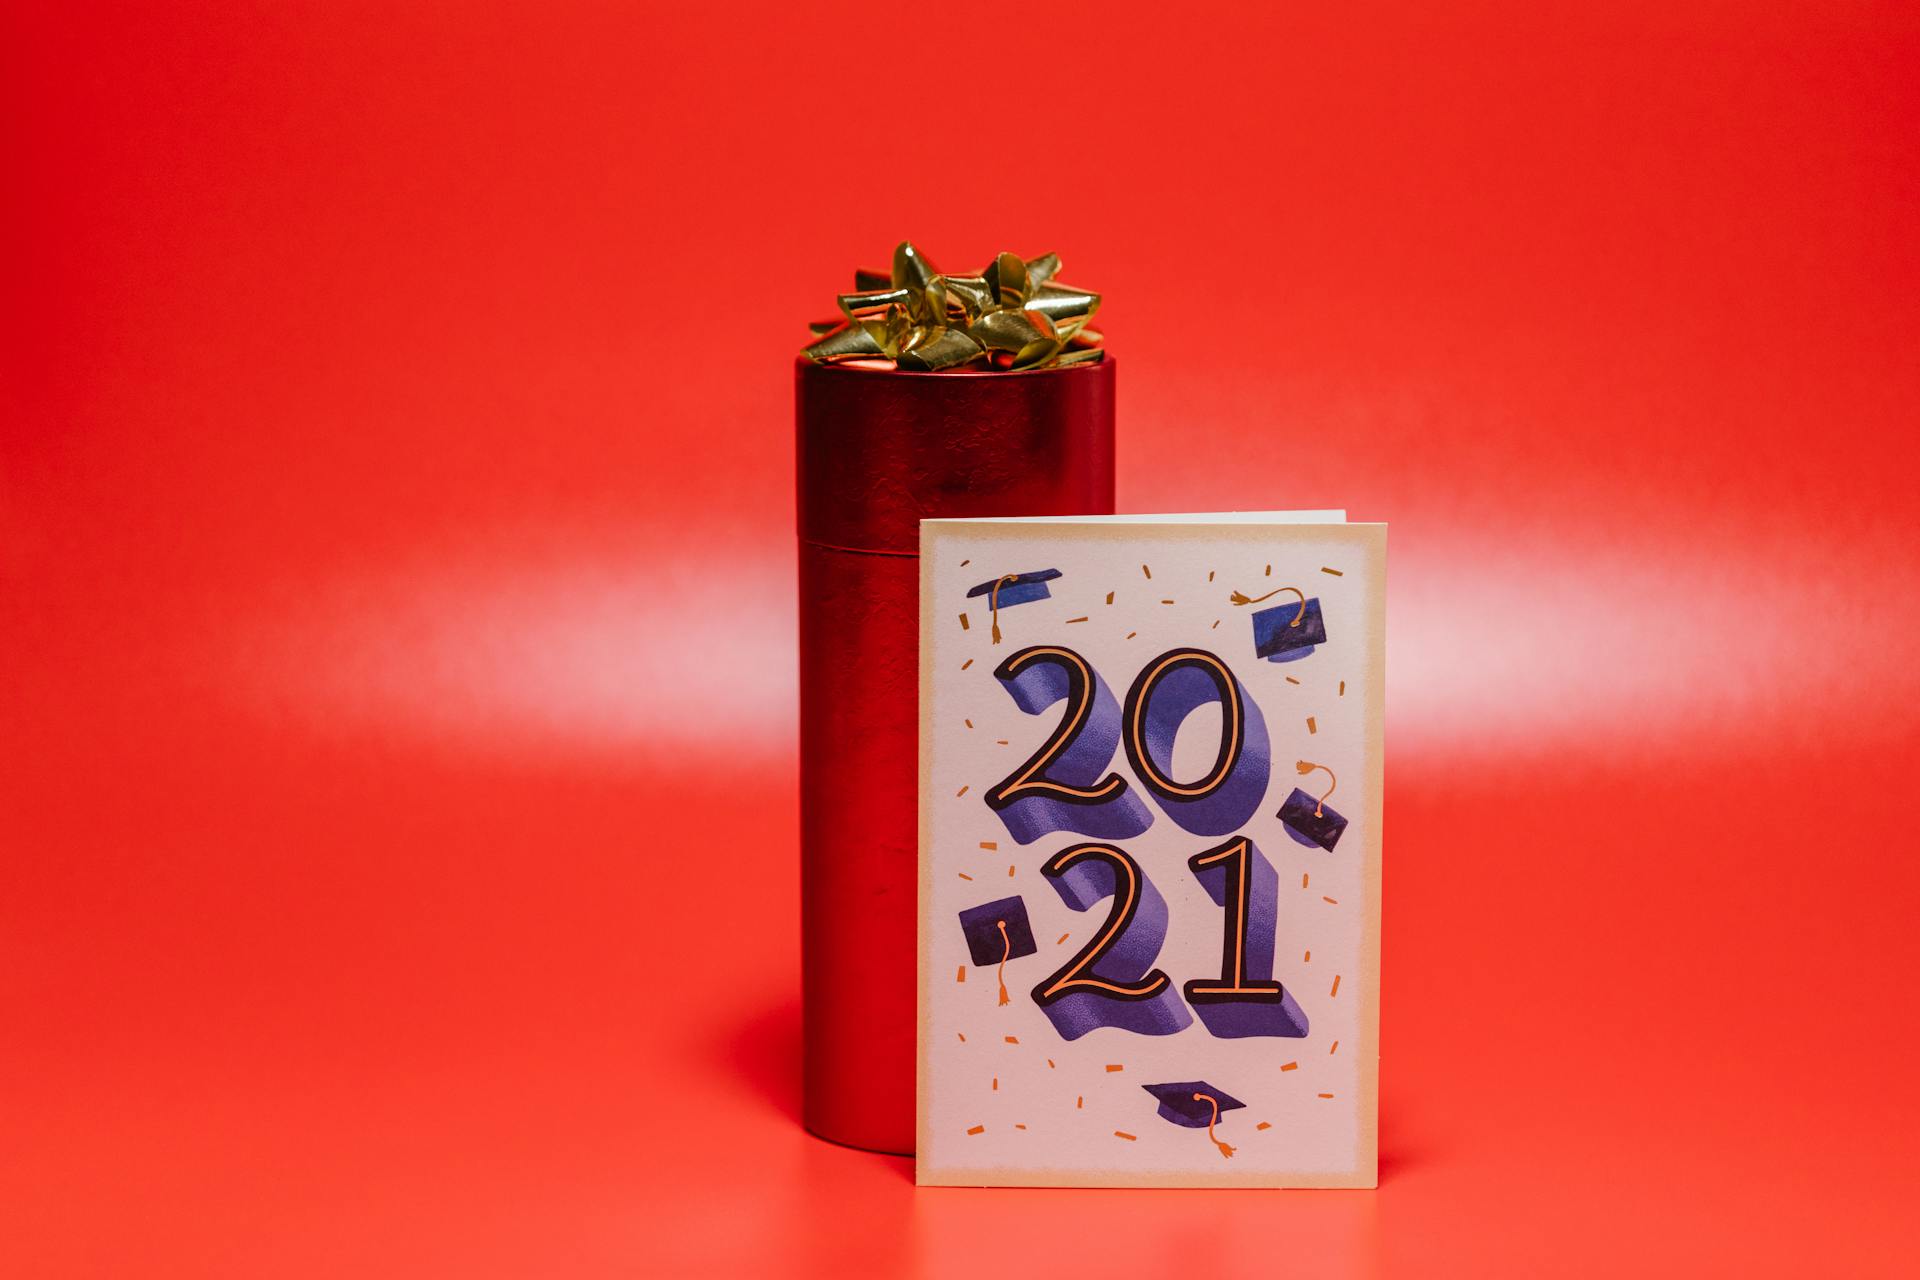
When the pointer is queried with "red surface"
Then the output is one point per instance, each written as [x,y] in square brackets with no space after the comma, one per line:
[396,630]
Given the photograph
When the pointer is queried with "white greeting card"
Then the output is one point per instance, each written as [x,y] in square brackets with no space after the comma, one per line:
[1150,761]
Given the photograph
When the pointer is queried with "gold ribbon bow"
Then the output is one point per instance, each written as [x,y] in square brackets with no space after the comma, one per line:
[1012,315]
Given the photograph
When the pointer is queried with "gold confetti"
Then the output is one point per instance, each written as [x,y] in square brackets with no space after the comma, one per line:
[963,875]
[1335,572]
[1000,742]
[1269,572]
[1019,1126]
[996,1084]
[962,791]
[1303,879]
[965,563]
[1050,1065]
[1209,575]
[989,844]
[1329,901]
[979,1128]
[1011,1039]
[1291,680]
[964,624]
[1115,1066]
[1109,597]
[1289,1066]
[1132,634]
[1326,1095]
[1216,623]
[962,1035]
[1010,869]
[961,976]
[1146,571]
[1335,1049]
[1071,621]
[1263,1125]
[1310,725]
[1062,938]
[1121,1133]
[966,664]
[1343,688]
[1080,1103]
[1166,602]
[1336,987]
[1307,958]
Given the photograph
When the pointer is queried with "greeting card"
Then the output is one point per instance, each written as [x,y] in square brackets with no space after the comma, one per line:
[1150,798]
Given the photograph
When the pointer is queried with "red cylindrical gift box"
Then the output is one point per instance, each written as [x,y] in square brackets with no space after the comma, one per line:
[880,450]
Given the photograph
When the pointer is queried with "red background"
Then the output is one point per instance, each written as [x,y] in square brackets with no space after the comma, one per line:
[396,628]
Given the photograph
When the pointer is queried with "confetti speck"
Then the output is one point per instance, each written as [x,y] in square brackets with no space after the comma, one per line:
[1216,623]
[1012,1039]
[1291,680]
[1132,634]
[965,563]
[1329,901]
[969,724]
[1335,572]
[1335,1049]
[1062,938]
[1109,597]
[964,624]
[1263,1125]
[1115,1066]
[1289,1066]
[979,1128]
[989,844]
[1010,867]
[961,976]
[962,1035]
[1080,1103]
[1166,602]
[1303,879]
[966,664]
[1019,1126]
[962,791]
[1326,1095]
[1050,1065]
[1307,958]
[1071,621]
[1269,572]
[1121,1133]
[1147,571]
[1311,727]
[1336,987]
[996,1084]
[1343,688]
[963,875]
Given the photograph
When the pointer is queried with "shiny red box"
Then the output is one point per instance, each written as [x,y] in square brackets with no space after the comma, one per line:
[880,450]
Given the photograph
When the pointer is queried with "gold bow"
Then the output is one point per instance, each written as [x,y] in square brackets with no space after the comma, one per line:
[1010,316]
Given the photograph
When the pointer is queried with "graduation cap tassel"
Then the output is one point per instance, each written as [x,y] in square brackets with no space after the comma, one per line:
[1241,597]
[993,604]
[1306,767]
[1212,1117]
[1005,955]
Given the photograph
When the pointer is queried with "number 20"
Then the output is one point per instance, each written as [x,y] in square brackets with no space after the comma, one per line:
[1060,787]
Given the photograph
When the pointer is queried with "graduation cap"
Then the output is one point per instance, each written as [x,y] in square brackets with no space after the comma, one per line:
[1307,818]
[1288,631]
[1194,1104]
[996,933]
[1014,588]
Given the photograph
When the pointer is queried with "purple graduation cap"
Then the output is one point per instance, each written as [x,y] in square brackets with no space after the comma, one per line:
[1017,588]
[1310,821]
[1179,1104]
[981,924]
[1278,638]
